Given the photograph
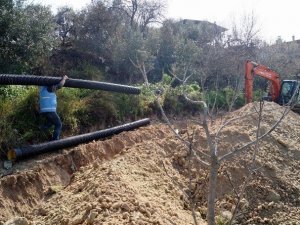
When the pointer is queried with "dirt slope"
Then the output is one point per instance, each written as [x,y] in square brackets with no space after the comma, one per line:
[144,177]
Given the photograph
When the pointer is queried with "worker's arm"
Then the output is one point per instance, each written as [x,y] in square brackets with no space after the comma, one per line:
[53,88]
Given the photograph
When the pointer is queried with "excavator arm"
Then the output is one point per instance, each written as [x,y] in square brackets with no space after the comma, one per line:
[254,69]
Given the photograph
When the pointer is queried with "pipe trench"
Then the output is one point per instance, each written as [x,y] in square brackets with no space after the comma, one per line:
[31,150]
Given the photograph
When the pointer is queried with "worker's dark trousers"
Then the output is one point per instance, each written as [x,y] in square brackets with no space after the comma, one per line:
[53,119]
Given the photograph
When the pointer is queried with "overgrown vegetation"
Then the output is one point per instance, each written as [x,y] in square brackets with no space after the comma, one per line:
[86,110]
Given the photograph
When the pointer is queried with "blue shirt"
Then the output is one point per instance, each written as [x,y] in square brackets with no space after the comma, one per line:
[48,100]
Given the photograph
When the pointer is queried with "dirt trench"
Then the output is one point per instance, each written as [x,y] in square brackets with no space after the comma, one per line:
[146,176]
[85,176]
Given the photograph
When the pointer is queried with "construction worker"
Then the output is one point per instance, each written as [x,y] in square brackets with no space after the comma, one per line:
[48,104]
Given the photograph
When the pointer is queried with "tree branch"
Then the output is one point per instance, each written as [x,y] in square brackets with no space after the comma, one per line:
[237,151]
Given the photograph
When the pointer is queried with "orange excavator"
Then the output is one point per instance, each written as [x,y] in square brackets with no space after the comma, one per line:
[282,92]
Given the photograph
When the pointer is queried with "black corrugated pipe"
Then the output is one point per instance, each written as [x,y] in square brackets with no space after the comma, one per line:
[13,79]
[24,152]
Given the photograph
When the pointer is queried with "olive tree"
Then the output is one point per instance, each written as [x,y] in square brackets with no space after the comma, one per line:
[27,36]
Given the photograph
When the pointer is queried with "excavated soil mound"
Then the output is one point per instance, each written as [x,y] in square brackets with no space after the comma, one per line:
[149,176]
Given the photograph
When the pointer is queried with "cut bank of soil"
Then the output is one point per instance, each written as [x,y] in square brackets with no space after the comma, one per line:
[146,176]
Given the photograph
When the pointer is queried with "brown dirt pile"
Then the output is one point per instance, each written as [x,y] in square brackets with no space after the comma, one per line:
[147,176]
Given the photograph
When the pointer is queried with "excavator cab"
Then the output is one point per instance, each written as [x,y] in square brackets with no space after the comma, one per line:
[289,93]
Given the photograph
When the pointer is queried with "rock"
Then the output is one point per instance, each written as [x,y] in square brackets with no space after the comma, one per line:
[273,196]
[92,216]
[7,165]
[17,221]
[78,219]
[203,211]
[226,214]
[249,221]
[126,216]
[41,212]
[244,203]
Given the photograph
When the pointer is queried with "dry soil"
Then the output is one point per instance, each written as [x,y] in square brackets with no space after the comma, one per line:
[149,176]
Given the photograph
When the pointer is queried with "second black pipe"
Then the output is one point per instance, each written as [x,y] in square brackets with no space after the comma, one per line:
[24,152]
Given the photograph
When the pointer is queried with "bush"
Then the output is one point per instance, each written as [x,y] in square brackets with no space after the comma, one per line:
[9,136]
[129,107]
[11,91]
[221,99]
[84,110]
[19,111]
[170,98]
[238,99]
[70,104]
[87,71]
[99,111]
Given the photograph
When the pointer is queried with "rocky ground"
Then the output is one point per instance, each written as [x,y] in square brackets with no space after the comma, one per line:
[148,176]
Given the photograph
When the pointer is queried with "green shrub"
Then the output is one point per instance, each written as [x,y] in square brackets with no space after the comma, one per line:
[221,99]
[128,107]
[166,79]
[99,111]
[24,115]
[170,98]
[258,95]
[215,99]
[220,220]
[88,72]
[9,136]
[11,91]
[69,105]
[172,104]
[231,95]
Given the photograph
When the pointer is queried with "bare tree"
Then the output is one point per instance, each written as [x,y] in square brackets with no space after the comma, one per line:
[245,33]
[141,62]
[141,13]
[283,57]
[213,159]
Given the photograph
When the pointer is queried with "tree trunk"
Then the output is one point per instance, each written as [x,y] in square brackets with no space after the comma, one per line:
[212,190]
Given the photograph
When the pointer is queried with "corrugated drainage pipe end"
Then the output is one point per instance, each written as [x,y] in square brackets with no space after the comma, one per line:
[13,153]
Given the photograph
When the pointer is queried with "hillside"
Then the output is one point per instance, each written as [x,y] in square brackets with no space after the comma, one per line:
[144,177]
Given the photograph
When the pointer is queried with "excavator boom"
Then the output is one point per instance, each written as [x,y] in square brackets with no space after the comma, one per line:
[252,69]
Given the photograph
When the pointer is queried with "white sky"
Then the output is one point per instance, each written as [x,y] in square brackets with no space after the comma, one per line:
[274,17]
